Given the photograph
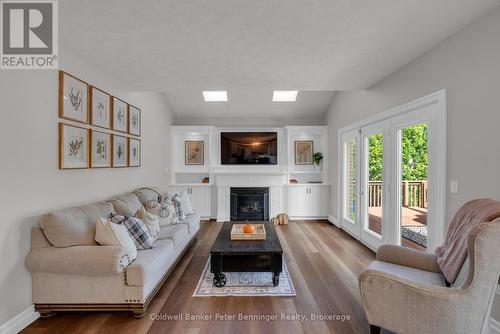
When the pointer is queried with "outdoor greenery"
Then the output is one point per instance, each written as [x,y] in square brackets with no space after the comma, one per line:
[414,154]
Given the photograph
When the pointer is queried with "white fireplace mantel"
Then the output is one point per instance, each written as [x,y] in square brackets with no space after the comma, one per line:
[224,182]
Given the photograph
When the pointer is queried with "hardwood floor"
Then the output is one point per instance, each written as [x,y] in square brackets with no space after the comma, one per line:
[324,263]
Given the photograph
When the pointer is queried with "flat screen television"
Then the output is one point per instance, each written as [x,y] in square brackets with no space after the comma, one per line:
[249,148]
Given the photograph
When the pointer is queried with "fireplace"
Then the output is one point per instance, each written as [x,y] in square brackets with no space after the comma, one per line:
[249,204]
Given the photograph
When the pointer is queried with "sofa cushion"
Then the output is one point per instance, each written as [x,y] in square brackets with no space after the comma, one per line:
[179,208]
[152,222]
[126,204]
[108,233]
[176,232]
[185,202]
[74,226]
[137,230]
[151,264]
[165,212]
[149,194]
[193,222]
[421,276]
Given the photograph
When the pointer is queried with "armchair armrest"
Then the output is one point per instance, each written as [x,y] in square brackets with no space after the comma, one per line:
[405,306]
[78,260]
[408,257]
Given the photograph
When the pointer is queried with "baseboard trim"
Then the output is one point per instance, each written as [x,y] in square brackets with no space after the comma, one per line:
[20,321]
[494,326]
[334,221]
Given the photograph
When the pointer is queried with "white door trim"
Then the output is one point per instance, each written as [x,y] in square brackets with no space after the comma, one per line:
[437,173]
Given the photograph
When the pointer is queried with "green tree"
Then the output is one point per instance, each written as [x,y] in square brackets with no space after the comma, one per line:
[413,151]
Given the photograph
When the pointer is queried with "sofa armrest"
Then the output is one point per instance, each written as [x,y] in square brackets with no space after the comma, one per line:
[78,260]
[405,256]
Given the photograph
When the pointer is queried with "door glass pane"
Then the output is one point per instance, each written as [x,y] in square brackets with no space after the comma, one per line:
[375,182]
[350,179]
[414,171]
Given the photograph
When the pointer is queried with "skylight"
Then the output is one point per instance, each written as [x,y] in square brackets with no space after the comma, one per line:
[215,96]
[285,95]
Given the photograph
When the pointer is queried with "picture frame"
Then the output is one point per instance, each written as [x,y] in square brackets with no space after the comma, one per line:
[194,152]
[73,98]
[73,147]
[304,150]
[100,149]
[134,120]
[120,115]
[100,108]
[119,151]
[134,152]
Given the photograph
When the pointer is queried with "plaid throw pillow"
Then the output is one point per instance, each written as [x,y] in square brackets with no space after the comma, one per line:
[137,230]
[179,209]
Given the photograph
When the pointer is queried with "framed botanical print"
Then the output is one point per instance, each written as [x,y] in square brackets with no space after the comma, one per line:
[304,152]
[120,152]
[100,149]
[134,151]
[100,108]
[194,152]
[120,115]
[73,98]
[73,147]
[134,121]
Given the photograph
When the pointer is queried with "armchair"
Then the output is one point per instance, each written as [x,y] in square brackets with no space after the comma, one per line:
[404,291]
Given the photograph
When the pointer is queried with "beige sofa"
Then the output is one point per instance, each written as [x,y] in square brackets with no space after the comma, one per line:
[71,272]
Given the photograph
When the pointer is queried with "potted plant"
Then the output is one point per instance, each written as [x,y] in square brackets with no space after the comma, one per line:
[317,157]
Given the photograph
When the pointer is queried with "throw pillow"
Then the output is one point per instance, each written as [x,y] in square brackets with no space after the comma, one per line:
[137,230]
[151,222]
[108,233]
[179,209]
[165,212]
[186,203]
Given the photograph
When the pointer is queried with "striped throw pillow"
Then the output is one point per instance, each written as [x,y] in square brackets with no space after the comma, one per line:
[179,208]
[137,230]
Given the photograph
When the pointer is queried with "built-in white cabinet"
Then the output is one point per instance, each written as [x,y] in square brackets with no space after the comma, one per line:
[296,186]
[200,197]
[309,201]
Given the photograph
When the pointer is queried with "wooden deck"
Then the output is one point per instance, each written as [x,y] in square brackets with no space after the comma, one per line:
[410,217]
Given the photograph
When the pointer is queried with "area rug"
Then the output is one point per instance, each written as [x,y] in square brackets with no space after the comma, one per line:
[417,234]
[245,284]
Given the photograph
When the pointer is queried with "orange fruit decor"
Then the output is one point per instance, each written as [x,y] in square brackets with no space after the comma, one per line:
[248,228]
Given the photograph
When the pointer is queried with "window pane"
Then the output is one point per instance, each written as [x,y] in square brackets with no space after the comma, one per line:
[350,186]
[414,169]
[375,182]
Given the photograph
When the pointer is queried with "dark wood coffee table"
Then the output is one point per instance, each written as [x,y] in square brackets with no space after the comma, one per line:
[229,255]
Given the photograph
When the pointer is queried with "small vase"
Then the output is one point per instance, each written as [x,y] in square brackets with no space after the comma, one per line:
[317,168]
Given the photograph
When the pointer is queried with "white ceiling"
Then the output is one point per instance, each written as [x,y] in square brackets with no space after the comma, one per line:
[251,48]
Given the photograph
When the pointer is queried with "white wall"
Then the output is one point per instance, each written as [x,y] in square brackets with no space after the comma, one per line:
[31,184]
[243,121]
[468,66]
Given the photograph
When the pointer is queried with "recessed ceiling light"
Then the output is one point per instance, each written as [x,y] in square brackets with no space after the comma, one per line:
[215,95]
[285,95]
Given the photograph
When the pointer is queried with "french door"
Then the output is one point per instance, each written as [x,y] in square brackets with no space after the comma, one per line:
[363,190]
[350,219]
[374,208]
[393,176]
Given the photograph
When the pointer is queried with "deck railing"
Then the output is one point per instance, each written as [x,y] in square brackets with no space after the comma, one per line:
[413,194]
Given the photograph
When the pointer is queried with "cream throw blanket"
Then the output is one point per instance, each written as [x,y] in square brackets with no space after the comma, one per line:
[451,256]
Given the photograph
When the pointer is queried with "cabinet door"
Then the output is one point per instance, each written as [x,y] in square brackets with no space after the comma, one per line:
[200,198]
[317,201]
[298,201]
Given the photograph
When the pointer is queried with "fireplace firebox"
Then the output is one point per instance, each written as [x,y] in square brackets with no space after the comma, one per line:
[249,204]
